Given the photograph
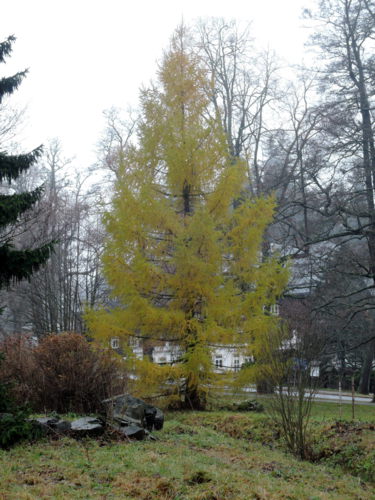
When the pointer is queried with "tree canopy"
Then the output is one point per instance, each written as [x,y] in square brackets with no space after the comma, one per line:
[182,254]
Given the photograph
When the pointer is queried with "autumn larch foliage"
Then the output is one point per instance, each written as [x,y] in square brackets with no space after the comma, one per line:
[182,253]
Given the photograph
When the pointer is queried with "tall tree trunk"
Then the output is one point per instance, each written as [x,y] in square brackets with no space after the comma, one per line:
[364,383]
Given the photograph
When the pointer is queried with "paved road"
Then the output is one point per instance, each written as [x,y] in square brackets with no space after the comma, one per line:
[333,397]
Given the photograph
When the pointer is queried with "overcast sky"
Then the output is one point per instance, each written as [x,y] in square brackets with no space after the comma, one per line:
[88,55]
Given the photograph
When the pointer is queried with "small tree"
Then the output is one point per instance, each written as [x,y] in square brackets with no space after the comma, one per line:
[183,247]
[287,362]
[16,264]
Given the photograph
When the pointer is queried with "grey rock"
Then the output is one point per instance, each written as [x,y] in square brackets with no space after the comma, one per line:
[130,430]
[134,411]
[158,420]
[52,424]
[87,426]
[125,420]
[63,426]
[50,421]
[134,432]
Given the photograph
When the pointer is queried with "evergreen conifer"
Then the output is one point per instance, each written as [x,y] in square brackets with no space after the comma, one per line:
[16,264]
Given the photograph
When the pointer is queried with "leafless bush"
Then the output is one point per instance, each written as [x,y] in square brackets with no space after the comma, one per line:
[64,373]
[19,368]
[287,365]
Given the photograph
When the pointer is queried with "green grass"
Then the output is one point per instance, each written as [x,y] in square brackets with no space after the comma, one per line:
[323,411]
[205,456]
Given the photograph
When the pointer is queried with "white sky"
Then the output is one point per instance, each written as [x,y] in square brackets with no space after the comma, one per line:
[88,55]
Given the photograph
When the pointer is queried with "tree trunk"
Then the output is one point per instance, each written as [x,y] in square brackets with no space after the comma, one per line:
[194,398]
[364,383]
[264,387]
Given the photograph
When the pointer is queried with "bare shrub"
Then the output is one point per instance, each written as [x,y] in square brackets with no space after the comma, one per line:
[18,369]
[64,373]
[287,363]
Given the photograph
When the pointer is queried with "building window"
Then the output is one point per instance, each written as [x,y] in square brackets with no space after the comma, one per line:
[236,363]
[275,309]
[219,361]
[115,342]
[133,342]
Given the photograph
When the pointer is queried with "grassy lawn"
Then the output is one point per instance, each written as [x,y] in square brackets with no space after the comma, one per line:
[206,456]
[323,411]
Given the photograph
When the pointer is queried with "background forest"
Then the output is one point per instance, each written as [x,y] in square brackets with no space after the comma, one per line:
[304,135]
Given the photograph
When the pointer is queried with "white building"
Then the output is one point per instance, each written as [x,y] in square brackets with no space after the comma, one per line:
[166,354]
[227,358]
[224,357]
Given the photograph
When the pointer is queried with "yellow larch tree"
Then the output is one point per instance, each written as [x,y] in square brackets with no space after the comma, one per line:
[182,255]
